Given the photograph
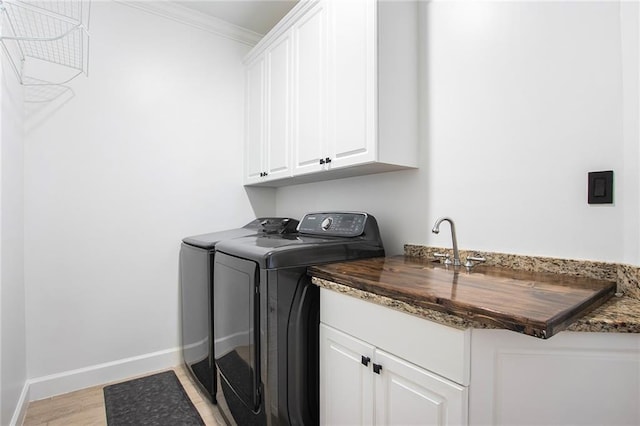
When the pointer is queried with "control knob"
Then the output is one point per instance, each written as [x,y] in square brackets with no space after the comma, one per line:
[326,223]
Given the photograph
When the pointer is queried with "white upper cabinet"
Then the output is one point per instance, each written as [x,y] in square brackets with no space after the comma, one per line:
[352,83]
[310,92]
[278,111]
[351,95]
[268,109]
[255,138]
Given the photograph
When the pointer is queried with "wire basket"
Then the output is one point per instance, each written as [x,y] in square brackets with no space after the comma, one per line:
[46,42]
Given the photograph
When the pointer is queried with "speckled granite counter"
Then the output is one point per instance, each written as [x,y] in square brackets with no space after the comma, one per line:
[620,314]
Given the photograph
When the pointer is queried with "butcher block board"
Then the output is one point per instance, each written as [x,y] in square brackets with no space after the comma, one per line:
[534,303]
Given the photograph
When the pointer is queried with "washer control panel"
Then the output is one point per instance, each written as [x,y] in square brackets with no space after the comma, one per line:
[339,224]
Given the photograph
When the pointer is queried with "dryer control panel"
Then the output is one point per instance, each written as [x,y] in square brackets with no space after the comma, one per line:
[339,224]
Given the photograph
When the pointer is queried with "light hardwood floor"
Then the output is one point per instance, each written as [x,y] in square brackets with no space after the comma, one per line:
[86,407]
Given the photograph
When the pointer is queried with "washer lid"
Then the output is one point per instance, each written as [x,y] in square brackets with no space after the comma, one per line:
[276,225]
[209,241]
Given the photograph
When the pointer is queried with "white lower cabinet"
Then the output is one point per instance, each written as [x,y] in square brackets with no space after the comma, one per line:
[410,395]
[431,374]
[399,393]
[366,382]
[570,379]
[346,384]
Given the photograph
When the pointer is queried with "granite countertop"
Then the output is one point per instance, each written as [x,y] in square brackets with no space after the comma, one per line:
[621,314]
[535,303]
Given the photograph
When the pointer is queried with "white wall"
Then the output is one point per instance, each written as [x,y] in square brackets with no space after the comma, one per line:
[148,151]
[13,367]
[630,36]
[520,101]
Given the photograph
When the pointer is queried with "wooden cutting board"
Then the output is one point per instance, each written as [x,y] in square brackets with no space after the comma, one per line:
[534,303]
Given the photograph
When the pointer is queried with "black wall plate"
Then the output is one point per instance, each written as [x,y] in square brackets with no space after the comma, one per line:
[600,187]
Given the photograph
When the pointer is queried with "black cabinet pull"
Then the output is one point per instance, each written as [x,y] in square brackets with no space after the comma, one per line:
[365,360]
[322,161]
[377,368]
[327,160]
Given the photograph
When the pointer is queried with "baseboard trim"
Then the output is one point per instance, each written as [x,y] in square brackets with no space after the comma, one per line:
[229,343]
[21,407]
[69,381]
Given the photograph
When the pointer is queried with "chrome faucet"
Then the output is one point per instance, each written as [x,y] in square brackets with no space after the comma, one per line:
[436,230]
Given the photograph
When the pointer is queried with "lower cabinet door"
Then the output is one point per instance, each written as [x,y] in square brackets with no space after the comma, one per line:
[409,395]
[363,385]
[346,383]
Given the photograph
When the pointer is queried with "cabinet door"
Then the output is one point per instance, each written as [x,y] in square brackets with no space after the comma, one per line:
[346,384]
[310,91]
[409,395]
[255,132]
[352,82]
[573,378]
[278,111]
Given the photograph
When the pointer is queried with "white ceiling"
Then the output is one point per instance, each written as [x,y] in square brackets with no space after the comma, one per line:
[255,15]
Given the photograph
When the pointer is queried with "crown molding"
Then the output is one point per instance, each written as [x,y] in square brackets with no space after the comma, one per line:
[178,13]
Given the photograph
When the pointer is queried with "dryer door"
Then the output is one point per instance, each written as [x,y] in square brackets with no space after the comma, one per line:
[236,326]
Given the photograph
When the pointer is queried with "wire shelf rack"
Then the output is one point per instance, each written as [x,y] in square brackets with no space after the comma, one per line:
[46,42]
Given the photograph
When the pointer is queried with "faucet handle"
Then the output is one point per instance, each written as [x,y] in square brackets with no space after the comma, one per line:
[444,256]
[475,258]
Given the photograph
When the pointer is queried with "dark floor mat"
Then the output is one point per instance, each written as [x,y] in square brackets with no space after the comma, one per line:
[156,400]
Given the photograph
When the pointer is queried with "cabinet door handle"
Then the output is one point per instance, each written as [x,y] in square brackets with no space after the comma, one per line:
[377,368]
[365,360]
[321,161]
[327,160]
